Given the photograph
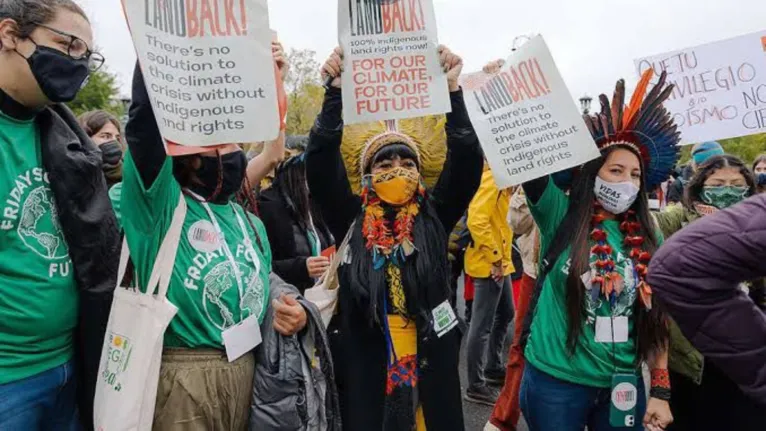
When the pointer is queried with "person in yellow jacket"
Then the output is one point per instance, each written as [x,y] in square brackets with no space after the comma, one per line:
[488,262]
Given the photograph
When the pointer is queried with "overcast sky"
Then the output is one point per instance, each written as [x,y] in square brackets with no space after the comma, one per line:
[594,42]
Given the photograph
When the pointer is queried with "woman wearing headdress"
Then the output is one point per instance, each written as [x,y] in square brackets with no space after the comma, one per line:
[594,322]
[396,348]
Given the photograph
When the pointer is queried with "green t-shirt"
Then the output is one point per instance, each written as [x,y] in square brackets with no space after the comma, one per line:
[593,363]
[115,195]
[38,293]
[203,285]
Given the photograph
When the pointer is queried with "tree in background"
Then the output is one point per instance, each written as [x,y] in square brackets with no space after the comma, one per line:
[101,92]
[747,148]
[304,91]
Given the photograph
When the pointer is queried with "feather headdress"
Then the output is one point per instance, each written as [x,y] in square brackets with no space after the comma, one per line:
[425,135]
[644,126]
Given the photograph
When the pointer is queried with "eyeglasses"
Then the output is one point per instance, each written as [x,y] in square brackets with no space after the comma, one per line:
[78,49]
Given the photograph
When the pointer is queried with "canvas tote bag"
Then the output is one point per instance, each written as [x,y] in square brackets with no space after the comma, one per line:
[128,374]
[325,293]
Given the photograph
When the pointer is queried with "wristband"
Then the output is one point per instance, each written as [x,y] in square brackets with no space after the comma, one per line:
[660,387]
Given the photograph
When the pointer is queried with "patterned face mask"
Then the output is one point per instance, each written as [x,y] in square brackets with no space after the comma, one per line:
[396,186]
[724,196]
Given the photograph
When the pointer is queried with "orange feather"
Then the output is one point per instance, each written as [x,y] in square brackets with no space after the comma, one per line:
[638,98]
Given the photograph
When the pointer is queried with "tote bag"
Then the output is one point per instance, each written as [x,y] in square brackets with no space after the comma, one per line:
[325,293]
[128,374]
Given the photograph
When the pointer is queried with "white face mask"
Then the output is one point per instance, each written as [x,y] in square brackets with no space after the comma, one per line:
[615,197]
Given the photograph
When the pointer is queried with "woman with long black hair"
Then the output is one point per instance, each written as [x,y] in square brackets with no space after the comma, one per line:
[594,322]
[297,232]
[396,344]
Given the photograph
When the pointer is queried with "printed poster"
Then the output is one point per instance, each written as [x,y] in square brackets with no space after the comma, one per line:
[208,68]
[720,87]
[527,121]
[391,60]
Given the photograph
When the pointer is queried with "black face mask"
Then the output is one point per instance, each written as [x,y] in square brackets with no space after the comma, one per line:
[111,153]
[234,167]
[59,76]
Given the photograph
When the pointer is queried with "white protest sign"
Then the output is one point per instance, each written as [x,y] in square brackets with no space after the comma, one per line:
[208,68]
[391,61]
[526,119]
[720,87]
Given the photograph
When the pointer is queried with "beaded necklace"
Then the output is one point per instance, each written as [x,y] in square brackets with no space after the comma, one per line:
[606,277]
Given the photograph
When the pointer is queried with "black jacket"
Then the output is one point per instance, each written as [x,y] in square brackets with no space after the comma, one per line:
[288,238]
[359,349]
[89,226]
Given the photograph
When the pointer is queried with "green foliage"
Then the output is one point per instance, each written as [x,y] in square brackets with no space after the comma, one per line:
[304,91]
[747,148]
[101,92]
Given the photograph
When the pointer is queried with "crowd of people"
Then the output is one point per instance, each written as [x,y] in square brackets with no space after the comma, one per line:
[626,314]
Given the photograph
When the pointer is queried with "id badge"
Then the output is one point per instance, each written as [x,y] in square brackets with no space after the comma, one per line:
[444,318]
[241,338]
[623,401]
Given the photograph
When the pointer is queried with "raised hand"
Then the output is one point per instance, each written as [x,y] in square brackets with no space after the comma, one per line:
[333,67]
[452,65]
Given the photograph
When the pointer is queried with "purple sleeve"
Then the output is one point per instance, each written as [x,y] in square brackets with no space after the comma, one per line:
[696,276]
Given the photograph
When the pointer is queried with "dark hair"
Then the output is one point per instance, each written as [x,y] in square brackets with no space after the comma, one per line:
[290,183]
[392,151]
[424,276]
[574,231]
[93,121]
[711,165]
[760,159]
[29,13]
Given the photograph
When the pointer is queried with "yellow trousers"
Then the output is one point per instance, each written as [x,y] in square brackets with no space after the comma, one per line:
[405,338]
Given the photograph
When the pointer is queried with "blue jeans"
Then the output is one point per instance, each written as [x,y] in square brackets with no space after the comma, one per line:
[492,314]
[46,401]
[550,404]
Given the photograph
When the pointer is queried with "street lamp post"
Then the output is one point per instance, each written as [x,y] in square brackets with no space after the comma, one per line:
[585,103]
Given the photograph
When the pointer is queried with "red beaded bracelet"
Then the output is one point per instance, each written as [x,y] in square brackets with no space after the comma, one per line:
[660,379]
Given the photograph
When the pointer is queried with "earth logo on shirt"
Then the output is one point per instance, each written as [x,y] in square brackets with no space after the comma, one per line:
[39,226]
[218,281]
[29,208]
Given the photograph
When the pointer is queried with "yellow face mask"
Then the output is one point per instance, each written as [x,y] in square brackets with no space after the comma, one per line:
[396,186]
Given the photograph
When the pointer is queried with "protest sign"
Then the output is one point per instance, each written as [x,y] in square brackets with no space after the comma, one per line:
[526,119]
[391,64]
[208,68]
[720,87]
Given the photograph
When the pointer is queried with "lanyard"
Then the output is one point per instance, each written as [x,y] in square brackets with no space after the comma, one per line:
[249,249]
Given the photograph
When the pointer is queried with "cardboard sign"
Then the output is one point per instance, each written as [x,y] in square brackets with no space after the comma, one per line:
[526,119]
[208,68]
[720,87]
[391,62]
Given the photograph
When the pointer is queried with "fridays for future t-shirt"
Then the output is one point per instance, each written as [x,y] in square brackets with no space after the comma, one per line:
[38,293]
[203,285]
[593,363]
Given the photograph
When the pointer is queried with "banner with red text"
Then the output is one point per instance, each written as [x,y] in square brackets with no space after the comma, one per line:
[391,63]
[208,68]
[526,119]
[720,87]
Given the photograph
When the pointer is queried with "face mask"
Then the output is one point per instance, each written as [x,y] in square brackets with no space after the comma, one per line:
[615,197]
[723,197]
[111,153]
[234,168]
[396,186]
[761,179]
[59,76]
